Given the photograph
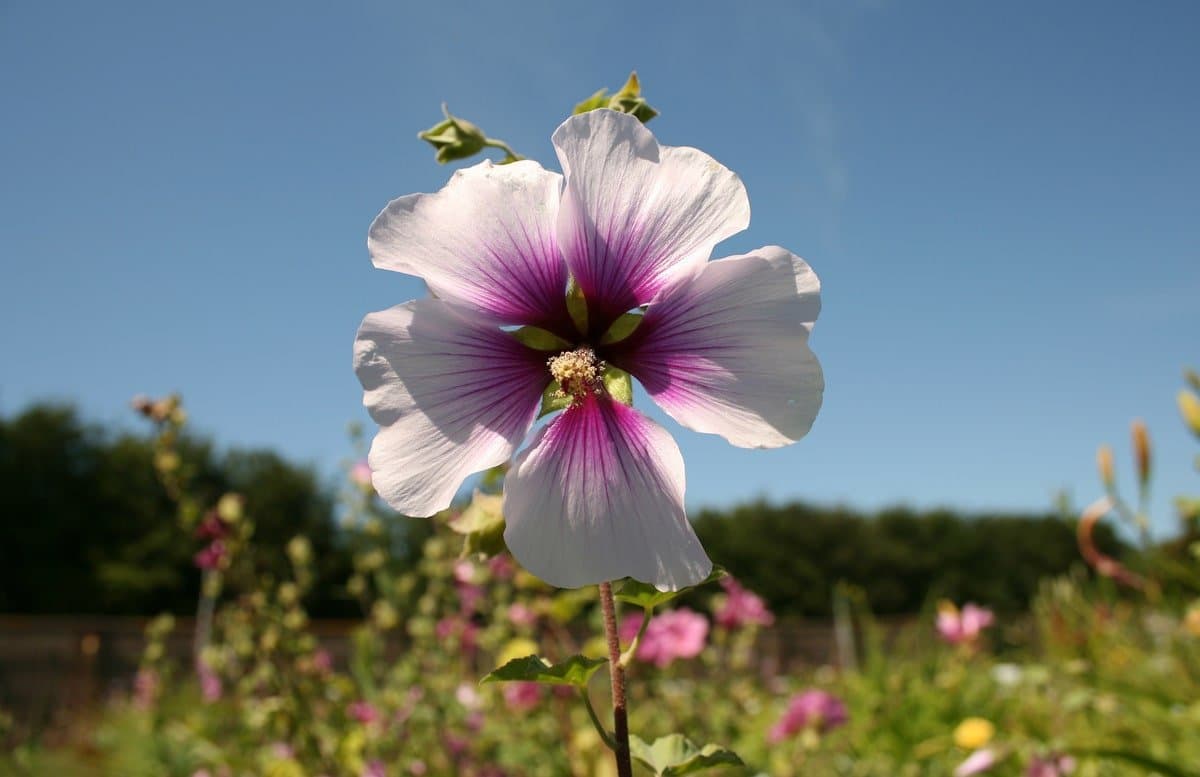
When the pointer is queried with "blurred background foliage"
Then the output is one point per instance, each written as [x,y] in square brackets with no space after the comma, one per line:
[88,530]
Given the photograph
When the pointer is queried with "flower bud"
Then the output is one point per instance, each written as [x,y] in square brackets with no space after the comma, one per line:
[453,138]
[1189,408]
[1104,463]
[1141,451]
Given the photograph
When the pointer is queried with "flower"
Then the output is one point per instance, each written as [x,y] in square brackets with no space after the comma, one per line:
[211,556]
[210,682]
[364,712]
[974,733]
[976,763]
[962,627]
[374,768]
[522,696]
[455,381]
[520,615]
[674,634]
[741,607]
[1053,765]
[813,709]
[360,474]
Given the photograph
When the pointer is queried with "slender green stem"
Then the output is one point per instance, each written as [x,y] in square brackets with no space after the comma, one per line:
[631,651]
[605,736]
[513,156]
[617,674]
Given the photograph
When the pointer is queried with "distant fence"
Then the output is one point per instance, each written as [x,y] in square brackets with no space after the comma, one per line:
[53,668]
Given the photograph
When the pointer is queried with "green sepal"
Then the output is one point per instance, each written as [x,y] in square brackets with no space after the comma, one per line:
[622,328]
[647,596]
[599,99]
[577,306]
[482,526]
[630,100]
[454,138]
[619,385]
[576,671]
[553,399]
[540,339]
[675,755]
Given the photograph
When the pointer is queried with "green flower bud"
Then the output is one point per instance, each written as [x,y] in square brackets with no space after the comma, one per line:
[454,138]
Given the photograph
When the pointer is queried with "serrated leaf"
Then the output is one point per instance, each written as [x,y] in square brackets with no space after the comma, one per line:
[576,671]
[622,328]
[675,755]
[647,596]
[619,385]
[540,339]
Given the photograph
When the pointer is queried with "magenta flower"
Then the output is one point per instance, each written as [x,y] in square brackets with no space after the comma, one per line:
[674,634]
[813,709]
[520,615]
[211,556]
[1054,765]
[741,607]
[374,768]
[364,712]
[212,527]
[965,626]
[521,697]
[360,474]
[721,346]
[210,682]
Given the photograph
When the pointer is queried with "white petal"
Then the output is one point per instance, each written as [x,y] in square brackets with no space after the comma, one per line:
[635,213]
[452,397]
[726,351]
[598,496]
[485,240]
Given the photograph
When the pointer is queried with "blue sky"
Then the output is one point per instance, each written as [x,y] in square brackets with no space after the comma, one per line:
[1001,201]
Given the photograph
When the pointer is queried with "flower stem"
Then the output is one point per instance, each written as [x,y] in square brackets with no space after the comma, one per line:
[617,673]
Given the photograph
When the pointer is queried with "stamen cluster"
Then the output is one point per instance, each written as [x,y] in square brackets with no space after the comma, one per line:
[578,373]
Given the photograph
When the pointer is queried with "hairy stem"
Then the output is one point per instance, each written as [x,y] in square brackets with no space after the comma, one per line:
[617,673]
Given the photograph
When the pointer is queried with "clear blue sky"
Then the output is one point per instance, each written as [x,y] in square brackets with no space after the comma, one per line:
[1001,199]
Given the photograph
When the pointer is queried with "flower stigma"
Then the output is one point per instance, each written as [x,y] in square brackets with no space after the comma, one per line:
[578,373]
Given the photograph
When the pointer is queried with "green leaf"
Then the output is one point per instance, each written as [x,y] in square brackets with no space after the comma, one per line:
[622,328]
[482,524]
[647,596]
[675,755]
[1144,761]
[540,339]
[619,385]
[553,399]
[576,671]
[630,100]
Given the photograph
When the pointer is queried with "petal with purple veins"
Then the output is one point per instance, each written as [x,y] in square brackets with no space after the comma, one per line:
[486,240]
[726,351]
[635,214]
[452,396]
[598,496]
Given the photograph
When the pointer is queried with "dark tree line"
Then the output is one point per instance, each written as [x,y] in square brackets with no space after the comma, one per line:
[85,527]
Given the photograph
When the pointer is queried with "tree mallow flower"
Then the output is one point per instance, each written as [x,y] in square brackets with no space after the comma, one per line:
[962,627]
[741,607]
[814,709]
[533,274]
[673,634]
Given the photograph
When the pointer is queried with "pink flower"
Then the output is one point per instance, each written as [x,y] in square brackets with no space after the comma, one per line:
[741,607]
[965,626]
[976,763]
[673,634]
[322,661]
[418,768]
[146,685]
[374,768]
[212,556]
[212,527]
[455,387]
[364,712]
[210,682]
[502,566]
[520,615]
[1054,765]
[464,572]
[816,709]
[282,750]
[360,474]
[521,697]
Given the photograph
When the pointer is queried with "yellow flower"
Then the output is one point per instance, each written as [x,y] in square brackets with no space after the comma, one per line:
[517,648]
[974,733]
